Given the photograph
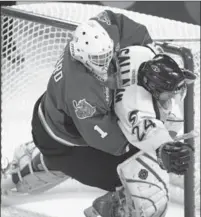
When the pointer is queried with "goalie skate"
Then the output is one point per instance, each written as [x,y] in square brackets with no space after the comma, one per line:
[91,212]
[112,204]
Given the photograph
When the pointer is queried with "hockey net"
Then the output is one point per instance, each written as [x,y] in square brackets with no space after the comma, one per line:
[31,46]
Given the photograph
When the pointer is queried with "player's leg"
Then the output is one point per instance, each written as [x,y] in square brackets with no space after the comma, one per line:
[144,191]
[28,172]
[89,166]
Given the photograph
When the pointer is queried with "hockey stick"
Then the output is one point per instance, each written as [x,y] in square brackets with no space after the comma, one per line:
[189,135]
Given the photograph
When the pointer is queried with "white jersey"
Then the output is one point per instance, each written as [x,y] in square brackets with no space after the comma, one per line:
[141,118]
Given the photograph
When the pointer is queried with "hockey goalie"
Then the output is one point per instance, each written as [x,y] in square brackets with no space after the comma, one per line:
[122,133]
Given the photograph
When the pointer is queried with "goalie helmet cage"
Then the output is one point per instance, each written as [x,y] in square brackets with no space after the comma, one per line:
[34,36]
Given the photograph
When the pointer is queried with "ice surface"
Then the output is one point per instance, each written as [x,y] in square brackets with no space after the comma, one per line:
[70,199]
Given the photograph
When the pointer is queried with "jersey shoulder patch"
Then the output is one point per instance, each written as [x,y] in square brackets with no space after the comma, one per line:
[83,109]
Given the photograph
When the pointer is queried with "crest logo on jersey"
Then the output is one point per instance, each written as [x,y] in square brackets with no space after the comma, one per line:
[143,174]
[83,109]
[133,117]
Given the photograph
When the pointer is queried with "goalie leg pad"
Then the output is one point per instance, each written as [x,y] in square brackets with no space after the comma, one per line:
[145,185]
[29,172]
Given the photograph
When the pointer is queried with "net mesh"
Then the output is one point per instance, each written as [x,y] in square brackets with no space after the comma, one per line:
[30,50]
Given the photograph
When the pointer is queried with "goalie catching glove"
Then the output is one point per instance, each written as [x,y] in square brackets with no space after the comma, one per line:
[175,157]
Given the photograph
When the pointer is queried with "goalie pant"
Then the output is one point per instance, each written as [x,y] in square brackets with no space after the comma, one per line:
[87,165]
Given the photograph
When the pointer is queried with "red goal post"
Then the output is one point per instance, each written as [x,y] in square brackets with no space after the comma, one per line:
[33,23]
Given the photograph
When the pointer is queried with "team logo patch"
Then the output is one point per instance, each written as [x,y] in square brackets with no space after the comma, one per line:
[133,117]
[83,109]
[143,174]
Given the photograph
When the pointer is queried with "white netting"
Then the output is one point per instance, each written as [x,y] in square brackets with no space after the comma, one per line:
[29,52]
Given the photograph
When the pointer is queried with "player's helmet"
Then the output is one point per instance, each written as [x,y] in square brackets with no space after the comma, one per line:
[93,47]
[163,78]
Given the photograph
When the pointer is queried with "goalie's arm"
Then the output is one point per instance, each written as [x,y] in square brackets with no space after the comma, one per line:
[123,30]
[92,115]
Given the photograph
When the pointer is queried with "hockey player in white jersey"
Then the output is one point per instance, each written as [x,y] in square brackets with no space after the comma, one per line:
[153,85]
[158,89]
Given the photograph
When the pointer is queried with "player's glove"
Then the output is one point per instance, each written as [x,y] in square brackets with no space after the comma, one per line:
[175,157]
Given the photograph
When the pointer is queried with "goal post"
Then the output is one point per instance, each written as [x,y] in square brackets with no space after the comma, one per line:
[186,58]
[36,17]
[33,36]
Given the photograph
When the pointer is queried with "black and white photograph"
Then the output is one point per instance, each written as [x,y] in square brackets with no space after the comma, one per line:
[100,108]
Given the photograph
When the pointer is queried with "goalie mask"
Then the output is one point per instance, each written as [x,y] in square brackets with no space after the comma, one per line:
[164,79]
[93,47]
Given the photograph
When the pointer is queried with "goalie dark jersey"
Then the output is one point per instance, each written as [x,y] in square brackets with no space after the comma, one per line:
[76,109]
[123,31]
